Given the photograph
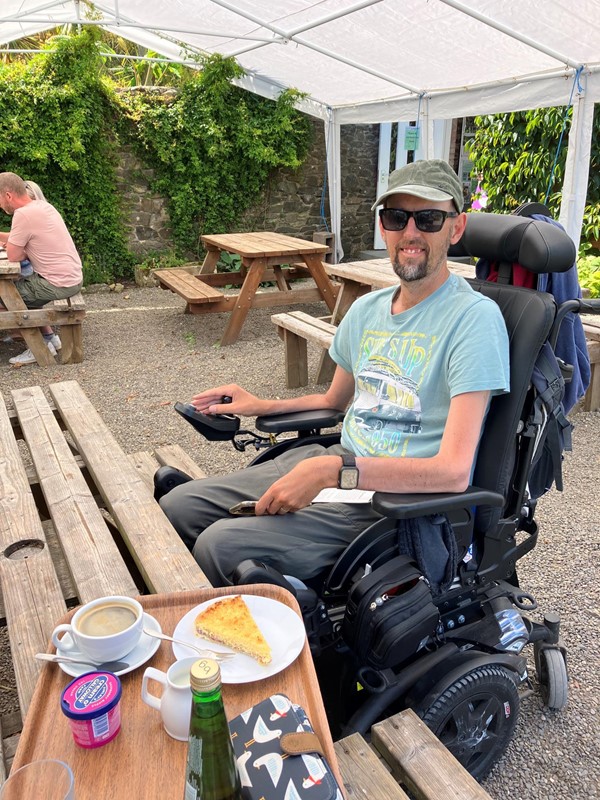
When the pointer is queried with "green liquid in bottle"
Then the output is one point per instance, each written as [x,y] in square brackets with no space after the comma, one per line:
[211,772]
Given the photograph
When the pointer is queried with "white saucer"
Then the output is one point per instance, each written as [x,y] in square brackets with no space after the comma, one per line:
[142,652]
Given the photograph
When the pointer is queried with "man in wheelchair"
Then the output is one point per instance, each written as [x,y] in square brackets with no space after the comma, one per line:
[415,374]
[412,600]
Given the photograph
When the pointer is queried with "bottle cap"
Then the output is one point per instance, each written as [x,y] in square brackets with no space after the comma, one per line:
[205,675]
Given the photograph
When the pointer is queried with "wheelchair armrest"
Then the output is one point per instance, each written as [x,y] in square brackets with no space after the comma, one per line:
[408,506]
[299,421]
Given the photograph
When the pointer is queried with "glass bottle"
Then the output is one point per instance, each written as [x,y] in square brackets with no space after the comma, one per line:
[211,772]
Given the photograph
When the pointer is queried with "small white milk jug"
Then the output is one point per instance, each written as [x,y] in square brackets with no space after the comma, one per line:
[175,703]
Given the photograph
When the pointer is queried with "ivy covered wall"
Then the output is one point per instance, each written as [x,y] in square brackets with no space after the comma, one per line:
[208,150]
[292,201]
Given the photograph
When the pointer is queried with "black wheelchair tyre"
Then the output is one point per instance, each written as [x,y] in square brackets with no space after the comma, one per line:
[552,674]
[475,717]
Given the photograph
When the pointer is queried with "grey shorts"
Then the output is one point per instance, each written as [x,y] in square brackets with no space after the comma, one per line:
[37,291]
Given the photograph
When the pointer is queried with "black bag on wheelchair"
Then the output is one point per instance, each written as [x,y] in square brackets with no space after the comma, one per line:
[390,614]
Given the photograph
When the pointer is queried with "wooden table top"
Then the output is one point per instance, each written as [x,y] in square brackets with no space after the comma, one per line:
[379,273]
[263,244]
[9,268]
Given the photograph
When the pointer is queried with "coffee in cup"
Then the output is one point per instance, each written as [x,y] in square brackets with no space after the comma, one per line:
[105,629]
[106,619]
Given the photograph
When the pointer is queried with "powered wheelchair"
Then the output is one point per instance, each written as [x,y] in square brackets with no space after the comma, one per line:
[381,641]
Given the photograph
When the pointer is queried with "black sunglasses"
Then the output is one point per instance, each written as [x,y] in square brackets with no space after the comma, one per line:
[429,220]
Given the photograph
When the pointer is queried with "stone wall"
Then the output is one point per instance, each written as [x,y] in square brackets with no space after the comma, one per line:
[291,202]
[145,214]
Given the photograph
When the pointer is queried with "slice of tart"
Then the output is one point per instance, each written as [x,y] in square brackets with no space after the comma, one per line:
[230,622]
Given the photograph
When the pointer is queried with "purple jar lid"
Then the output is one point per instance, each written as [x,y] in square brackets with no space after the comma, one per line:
[90,695]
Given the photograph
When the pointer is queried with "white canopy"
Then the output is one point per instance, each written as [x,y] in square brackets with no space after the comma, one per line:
[366,61]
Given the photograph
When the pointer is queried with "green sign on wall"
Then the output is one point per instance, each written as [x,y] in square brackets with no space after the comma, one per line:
[411,138]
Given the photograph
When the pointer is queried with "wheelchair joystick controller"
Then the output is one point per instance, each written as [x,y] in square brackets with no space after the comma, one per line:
[214,427]
[224,400]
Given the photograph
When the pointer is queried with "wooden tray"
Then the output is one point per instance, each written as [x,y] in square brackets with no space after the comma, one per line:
[143,761]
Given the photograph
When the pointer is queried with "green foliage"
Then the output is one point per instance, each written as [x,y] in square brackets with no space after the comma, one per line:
[142,70]
[57,128]
[229,262]
[212,147]
[588,268]
[516,151]
[160,260]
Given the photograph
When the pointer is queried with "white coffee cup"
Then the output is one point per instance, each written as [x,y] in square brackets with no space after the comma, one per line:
[105,629]
[175,703]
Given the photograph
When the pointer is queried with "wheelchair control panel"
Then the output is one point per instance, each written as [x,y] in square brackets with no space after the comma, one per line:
[214,427]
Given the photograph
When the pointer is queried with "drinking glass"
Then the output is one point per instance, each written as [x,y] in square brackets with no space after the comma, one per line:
[47,778]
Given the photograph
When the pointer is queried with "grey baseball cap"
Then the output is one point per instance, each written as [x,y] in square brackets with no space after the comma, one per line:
[431,180]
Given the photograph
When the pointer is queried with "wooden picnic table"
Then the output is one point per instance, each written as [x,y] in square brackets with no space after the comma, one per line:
[68,313]
[359,277]
[17,315]
[264,257]
[78,521]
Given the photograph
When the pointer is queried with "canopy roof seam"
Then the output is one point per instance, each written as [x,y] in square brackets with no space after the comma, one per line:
[464,9]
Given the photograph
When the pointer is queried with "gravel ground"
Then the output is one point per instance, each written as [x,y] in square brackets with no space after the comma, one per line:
[142,354]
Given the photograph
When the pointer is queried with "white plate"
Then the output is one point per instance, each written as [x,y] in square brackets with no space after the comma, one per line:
[144,650]
[279,624]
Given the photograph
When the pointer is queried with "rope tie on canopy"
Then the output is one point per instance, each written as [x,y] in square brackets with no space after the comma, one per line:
[576,83]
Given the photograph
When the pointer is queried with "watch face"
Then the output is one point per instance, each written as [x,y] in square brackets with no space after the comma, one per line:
[348,478]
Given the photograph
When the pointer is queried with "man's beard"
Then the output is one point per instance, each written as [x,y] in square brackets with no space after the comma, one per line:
[417,270]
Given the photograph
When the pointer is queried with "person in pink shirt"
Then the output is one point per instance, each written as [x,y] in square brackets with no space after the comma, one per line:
[38,233]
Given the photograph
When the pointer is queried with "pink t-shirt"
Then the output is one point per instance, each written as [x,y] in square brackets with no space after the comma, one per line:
[40,230]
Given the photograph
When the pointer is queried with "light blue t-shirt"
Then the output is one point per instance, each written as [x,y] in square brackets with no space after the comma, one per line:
[408,366]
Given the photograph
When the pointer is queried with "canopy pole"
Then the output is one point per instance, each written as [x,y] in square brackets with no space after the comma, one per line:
[577,166]
[427,127]
[334,172]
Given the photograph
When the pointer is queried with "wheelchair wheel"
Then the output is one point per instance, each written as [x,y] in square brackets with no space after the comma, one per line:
[475,717]
[551,670]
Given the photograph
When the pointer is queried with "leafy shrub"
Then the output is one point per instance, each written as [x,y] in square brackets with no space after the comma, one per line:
[160,260]
[229,262]
[588,268]
[516,152]
[212,147]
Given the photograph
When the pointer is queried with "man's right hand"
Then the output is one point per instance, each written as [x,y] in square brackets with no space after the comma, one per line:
[242,402]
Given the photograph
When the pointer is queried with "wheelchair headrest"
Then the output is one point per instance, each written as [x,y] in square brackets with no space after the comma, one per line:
[537,246]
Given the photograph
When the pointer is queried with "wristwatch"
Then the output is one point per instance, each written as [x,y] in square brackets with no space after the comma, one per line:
[348,475]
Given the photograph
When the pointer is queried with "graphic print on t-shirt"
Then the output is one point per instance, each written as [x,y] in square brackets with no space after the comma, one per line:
[387,407]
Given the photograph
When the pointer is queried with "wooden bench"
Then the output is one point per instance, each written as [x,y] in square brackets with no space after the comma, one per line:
[591,401]
[187,285]
[77,521]
[403,753]
[297,328]
[69,315]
